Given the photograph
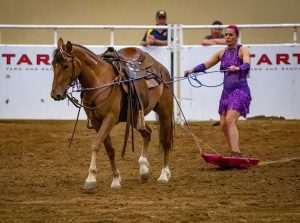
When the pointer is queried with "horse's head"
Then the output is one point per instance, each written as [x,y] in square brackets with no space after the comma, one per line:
[64,69]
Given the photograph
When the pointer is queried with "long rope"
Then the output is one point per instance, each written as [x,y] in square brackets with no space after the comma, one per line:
[283,160]
[200,84]
[111,83]
[188,129]
[192,76]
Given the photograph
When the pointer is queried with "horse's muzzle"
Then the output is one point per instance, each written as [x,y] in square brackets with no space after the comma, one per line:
[58,96]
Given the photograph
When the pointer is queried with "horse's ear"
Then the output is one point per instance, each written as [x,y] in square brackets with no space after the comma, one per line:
[69,47]
[60,43]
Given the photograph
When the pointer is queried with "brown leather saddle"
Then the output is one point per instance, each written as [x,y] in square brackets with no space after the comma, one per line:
[137,72]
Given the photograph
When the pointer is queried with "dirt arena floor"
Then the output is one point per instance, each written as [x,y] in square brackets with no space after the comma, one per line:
[41,181]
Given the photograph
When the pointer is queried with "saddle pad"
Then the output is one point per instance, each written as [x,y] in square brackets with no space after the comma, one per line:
[228,162]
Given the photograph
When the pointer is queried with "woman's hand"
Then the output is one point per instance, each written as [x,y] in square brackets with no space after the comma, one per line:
[233,68]
[187,72]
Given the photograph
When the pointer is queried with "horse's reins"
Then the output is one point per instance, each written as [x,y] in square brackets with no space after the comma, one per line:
[71,98]
[166,83]
[75,102]
[192,76]
[74,82]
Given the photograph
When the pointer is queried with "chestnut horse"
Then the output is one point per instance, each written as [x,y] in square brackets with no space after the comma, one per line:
[71,62]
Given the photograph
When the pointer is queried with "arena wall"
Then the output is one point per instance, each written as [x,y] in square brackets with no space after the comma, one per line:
[26,77]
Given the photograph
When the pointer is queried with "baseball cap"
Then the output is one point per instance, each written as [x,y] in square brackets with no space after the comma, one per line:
[217,22]
[161,13]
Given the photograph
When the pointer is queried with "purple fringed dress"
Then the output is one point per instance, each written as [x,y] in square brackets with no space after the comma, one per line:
[236,93]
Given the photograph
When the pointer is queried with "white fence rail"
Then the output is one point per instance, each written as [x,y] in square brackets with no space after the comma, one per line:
[295,26]
[112,29]
[176,28]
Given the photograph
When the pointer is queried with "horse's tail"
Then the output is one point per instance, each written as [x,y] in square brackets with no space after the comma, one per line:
[171,90]
[168,137]
[161,137]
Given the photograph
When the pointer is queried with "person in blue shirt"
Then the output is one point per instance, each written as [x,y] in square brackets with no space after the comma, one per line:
[157,37]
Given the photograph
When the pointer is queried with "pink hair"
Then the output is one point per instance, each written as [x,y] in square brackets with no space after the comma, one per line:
[235,28]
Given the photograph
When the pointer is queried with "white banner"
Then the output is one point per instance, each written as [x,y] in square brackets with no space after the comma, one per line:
[26,77]
[274,82]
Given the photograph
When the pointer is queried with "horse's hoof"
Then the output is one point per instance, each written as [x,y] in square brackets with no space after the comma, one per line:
[165,176]
[89,185]
[116,186]
[116,183]
[144,168]
[163,180]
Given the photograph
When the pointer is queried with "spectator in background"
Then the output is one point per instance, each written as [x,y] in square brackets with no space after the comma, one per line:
[216,36]
[157,37]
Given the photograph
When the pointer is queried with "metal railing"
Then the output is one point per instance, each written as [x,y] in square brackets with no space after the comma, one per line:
[172,28]
[112,29]
[241,27]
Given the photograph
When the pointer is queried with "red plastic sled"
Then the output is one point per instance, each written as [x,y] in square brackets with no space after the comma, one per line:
[228,162]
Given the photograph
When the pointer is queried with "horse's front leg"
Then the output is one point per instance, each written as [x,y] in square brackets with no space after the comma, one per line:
[103,132]
[143,161]
[116,183]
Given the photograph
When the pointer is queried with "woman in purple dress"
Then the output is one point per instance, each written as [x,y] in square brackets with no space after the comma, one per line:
[235,99]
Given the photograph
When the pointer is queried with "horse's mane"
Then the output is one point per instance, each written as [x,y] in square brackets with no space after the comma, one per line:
[86,49]
[58,57]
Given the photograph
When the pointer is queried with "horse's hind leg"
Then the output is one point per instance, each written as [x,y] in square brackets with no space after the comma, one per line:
[143,161]
[116,183]
[166,137]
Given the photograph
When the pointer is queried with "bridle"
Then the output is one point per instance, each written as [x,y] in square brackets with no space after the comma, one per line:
[69,57]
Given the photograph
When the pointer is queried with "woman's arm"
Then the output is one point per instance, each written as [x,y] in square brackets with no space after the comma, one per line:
[213,60]
[245,55]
